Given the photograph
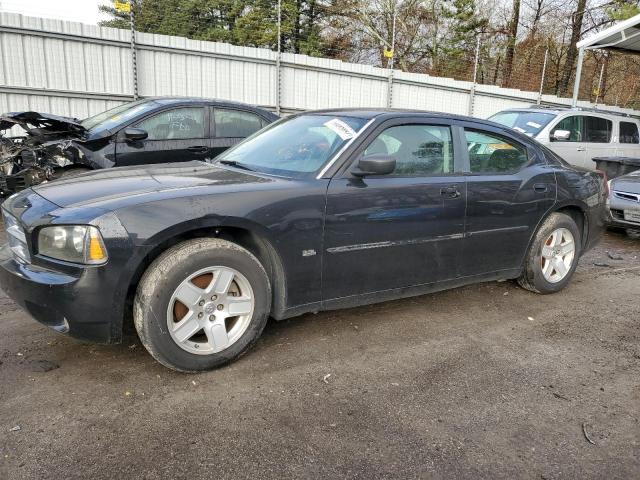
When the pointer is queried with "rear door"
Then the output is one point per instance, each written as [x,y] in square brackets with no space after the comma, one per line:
[174,135]
[572,150]
[509,190]
[598,136]
[628,139]
[231,125]
[398,230]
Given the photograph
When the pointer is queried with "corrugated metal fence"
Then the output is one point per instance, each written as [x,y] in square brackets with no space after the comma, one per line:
[78,70]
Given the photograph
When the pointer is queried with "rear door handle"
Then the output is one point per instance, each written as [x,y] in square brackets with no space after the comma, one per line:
[450,192]
[541,187]
[198,149]
[581,149]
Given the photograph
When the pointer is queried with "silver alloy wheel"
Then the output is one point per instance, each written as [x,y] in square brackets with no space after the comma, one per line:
[558,252]
[210,310]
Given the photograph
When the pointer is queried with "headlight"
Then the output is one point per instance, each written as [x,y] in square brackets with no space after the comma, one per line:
[77,244]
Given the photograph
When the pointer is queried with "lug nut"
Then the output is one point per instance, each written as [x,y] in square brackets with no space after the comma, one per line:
[214,297]
[220,307]
[201,302]
[200,315]
[212,317]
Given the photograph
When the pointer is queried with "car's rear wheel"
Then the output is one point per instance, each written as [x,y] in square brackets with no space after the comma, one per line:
[202,304]
[553,255]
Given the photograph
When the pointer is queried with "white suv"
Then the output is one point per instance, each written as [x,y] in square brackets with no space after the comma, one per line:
[577,135]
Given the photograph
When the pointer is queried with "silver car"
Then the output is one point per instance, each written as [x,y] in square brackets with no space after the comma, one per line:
[577,135]
[624,201]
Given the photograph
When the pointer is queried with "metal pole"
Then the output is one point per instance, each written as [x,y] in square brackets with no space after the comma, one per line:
[472,90]
[599,84]
[278,59]
[576,85]
[544,70]
[393,54]
[134,63]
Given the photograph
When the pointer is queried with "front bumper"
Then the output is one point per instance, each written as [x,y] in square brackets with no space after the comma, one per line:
[616,209]
[66,303]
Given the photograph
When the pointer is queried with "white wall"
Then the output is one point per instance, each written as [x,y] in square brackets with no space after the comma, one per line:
[73,69]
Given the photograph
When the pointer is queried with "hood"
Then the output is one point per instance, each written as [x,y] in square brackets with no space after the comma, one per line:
[41,122]
[123,184]
[627,183]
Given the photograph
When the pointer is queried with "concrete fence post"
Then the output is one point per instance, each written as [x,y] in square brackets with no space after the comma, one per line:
[134,59]
[472,90]
[279,60]
[544,72]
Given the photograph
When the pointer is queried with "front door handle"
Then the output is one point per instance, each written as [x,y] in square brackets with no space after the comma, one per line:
[198,149]
[450,192]
[540,187]
[581,149]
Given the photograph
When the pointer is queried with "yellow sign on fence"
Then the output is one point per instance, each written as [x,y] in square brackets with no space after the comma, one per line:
[122,5]
[388,53]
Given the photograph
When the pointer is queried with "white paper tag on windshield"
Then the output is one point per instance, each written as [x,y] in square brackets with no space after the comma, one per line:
[518,129]
[533,124]
[343,130]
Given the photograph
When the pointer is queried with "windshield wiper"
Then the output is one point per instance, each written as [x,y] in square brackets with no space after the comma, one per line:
[233,163]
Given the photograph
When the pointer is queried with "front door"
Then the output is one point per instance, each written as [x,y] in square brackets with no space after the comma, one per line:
[573,149]
[397,230]
[176,135]
[509,190]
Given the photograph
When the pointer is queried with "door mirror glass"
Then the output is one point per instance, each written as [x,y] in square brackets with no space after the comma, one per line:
[135,134]
[561,135]
[376,164]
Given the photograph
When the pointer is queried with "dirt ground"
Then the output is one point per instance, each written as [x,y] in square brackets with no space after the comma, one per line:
[488,381]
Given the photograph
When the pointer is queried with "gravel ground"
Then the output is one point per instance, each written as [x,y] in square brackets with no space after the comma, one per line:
[488,381]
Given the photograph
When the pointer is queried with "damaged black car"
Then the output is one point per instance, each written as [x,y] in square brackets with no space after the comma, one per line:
[154,130]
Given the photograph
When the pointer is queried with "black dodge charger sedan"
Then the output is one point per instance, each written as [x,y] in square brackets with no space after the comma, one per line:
[152,130]
[321,210]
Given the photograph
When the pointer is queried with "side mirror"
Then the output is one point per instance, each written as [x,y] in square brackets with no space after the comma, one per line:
[375,165]
[134,134]
[561,135]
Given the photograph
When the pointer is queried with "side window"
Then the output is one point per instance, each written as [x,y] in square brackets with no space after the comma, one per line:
[629,133]
[419,150]
[235,123]
[573,125]
[492,154]
[597,130]
[177,124]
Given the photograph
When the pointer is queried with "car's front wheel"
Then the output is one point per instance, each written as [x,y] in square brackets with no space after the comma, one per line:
[553,255]
[202,304]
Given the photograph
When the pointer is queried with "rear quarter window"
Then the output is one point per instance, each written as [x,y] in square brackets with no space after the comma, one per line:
[629,133]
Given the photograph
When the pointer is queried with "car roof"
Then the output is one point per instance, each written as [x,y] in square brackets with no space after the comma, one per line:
[370,113]
[204,101]
[577,110]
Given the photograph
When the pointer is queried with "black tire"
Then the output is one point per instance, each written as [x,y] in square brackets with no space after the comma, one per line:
[532,277]
[161,279]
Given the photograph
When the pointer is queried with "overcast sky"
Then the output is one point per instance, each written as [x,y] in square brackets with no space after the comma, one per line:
[85,11]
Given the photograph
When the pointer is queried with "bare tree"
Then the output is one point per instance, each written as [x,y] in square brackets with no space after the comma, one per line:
[512,33]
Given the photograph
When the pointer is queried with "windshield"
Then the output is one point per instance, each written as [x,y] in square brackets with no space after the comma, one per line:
[529,123]
[117,115]
[296,147]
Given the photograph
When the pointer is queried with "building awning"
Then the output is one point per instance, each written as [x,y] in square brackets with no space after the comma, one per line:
[621,37]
